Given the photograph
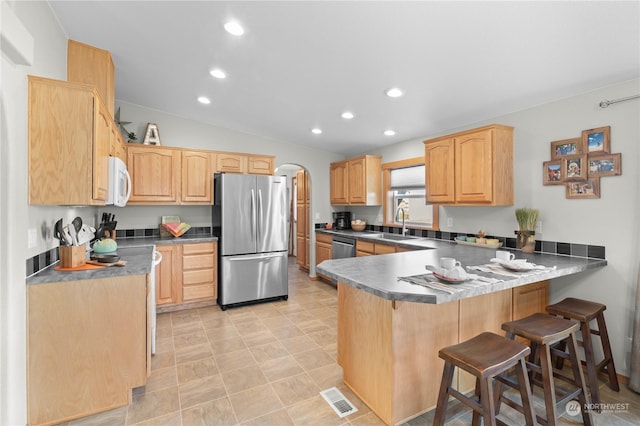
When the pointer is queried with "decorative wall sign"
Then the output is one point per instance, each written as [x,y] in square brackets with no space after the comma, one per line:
[152,135]
[589,188]
[579,163]
[552,173]
[597,141]
[566,147]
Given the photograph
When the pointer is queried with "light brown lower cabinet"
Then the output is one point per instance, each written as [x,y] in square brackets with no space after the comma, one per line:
[188,274]
[323,248]
[399,341]
[86,346]
[367,248]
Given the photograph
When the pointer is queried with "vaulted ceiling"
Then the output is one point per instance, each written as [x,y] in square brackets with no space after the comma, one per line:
[301,64]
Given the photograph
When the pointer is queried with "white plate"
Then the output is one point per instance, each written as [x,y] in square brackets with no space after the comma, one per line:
[450,280]
[515,266]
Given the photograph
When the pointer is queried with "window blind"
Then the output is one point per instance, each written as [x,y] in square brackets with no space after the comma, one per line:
[408,177]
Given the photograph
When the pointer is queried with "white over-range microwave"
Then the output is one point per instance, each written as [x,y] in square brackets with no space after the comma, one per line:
[119,183]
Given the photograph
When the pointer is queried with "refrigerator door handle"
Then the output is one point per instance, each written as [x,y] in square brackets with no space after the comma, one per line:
[262,257]
[253,214]
[260,214]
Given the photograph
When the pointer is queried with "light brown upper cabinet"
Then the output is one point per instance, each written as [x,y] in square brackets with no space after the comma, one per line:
[231,162]
[69,144]
[260,164]
[90,65]
[357,181]
[234,162]
[197,177]
[471,168]
[155,174]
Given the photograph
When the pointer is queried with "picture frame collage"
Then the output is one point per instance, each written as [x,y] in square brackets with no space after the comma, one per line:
[579,163]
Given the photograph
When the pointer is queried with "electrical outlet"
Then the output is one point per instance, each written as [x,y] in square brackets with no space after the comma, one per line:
[449,222]
[32,238]
[539,227]
[317,216]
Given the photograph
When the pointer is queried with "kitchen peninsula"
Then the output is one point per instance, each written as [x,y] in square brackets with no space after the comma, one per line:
[390,331]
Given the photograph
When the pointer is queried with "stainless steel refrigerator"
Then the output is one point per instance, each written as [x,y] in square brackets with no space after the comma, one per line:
[250,218]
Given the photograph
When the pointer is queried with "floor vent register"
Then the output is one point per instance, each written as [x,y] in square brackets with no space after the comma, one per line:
[340,404]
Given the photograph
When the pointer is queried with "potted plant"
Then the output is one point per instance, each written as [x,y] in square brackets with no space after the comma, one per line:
[132,136]
[526,235]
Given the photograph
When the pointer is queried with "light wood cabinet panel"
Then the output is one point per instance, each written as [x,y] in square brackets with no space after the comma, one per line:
[168,276]
[86,346]
[302,219]
[155,175]
[90,65]
[69,144]
[260,164]
[323,248]
[118,147]
[530,299]
[230,162]
[301,252]
[339,183]
[197,177]
[440,175]
[364,247]
[199,271]
[357,181]
[471,168]
[384,248]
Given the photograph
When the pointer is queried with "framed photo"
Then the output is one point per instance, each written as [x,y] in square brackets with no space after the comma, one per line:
[597,140]
[566,147]
[587,189]
[552,173]
[574,167]
[604,165]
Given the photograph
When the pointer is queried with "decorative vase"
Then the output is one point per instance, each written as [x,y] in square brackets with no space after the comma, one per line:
[526,241]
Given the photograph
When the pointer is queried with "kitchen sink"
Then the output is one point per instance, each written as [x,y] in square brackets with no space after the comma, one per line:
[393,237]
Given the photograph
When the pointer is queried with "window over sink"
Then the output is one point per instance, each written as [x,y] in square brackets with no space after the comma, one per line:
[404,189]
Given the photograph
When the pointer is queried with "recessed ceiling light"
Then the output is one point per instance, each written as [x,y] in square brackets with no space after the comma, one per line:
[389,132]
[394,92]
[204,100]
[218,73]
[347,115]
[234,28]
[316,131]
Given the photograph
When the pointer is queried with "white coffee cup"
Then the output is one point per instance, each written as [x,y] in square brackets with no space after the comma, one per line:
[448,263]
[505,256]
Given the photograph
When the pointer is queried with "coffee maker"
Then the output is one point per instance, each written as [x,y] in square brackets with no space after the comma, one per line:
[342,220]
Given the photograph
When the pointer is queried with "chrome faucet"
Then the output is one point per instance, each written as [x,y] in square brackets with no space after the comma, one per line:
[404,228]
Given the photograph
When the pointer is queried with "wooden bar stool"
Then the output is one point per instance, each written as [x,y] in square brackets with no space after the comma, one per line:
[486,356]
[544,331]
[584,312]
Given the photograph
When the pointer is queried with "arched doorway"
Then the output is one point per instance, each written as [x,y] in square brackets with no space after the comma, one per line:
[300,223]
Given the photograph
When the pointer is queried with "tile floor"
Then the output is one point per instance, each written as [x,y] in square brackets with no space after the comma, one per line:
[265,364]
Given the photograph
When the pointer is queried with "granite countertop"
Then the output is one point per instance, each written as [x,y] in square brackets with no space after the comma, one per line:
[138,252]
[379,274]
[138,263]
[145,241]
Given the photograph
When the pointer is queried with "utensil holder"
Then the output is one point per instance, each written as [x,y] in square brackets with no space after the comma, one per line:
[72,256]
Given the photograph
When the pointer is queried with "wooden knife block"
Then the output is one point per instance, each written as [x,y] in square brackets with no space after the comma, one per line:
[72,256]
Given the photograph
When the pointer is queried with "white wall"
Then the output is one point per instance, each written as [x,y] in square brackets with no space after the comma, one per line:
[610,221]
[49,60]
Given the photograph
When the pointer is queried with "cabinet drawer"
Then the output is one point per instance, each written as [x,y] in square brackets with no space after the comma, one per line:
[202,291]
[198,248]
[324,238]
[384,249]
[198,261]
[365,246]
[198,276]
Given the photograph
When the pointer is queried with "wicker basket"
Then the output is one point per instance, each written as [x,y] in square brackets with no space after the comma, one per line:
[358,225]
